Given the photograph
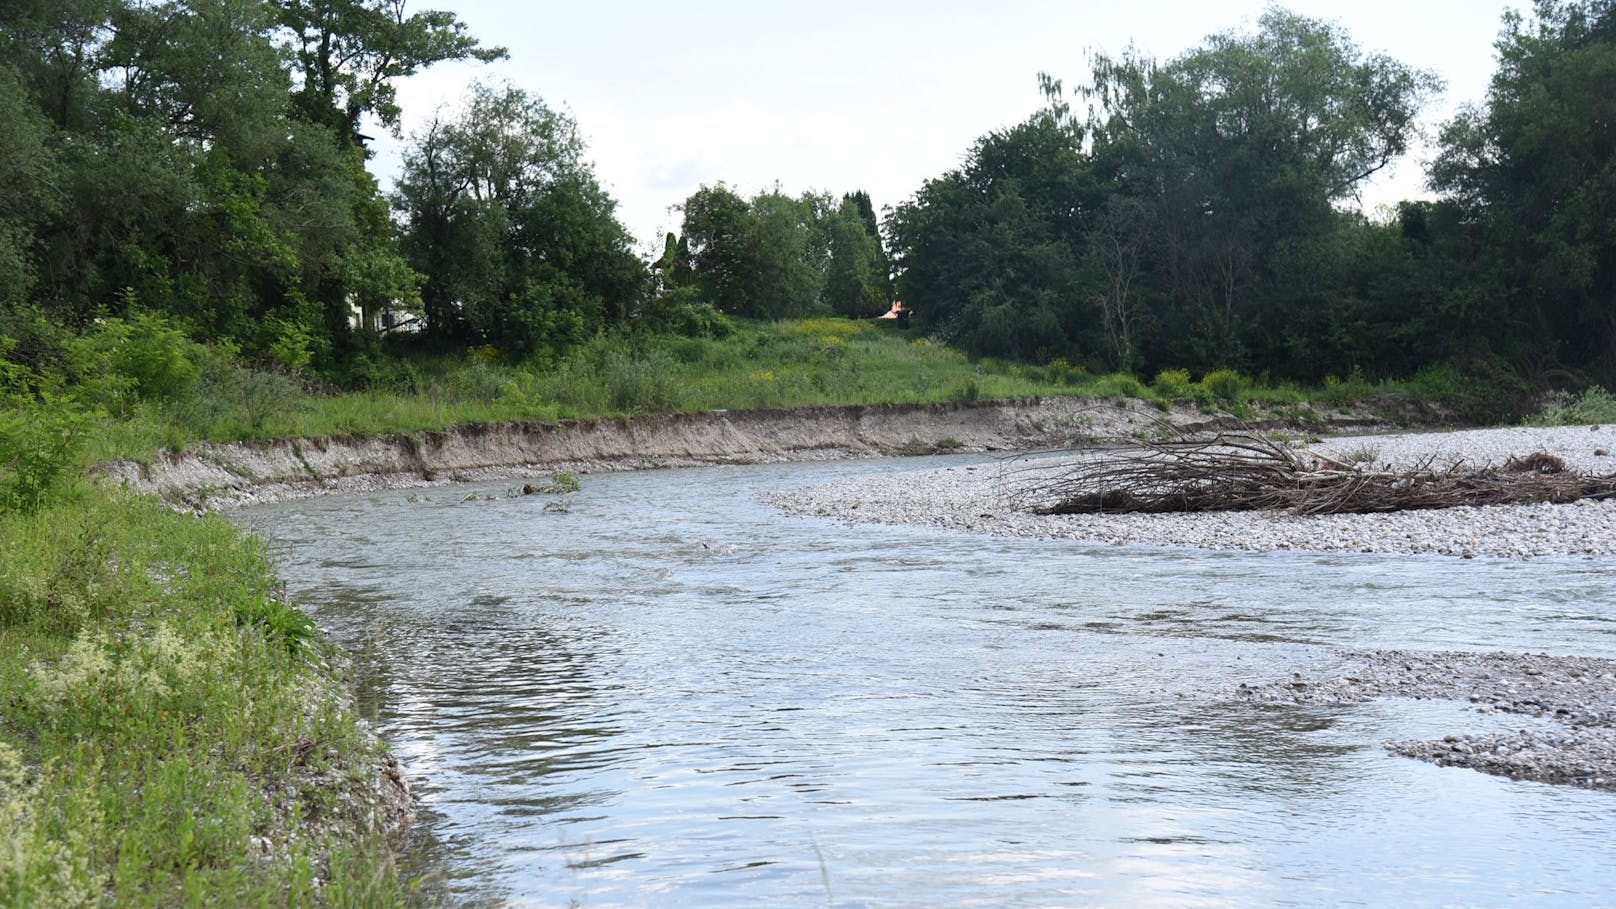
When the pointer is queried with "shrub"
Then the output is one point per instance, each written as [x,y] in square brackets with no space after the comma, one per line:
[638,383]
[142,358]
[1562,408]
[41,442]
[1120,385]
[1173,384]
[1481,389]
[1225,385]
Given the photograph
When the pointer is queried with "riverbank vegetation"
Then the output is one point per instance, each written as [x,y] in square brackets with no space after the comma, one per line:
[172,734]
[193,247]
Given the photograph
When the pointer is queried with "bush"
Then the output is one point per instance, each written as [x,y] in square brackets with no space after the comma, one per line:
[1120,385]
[155,360]
[1173,384]
[1483,389]
[1562,408]
[636,384]
[41,443]
[1225,385]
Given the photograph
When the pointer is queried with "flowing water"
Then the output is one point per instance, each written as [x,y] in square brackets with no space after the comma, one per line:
[659,692]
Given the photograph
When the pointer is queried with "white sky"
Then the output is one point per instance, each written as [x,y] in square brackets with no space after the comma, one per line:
[879,95]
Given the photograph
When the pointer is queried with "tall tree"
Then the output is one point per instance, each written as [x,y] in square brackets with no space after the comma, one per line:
[991,254]
[1534,169]
[855,266]
[351,53]
[28,171]
[519,244]
[1242,149]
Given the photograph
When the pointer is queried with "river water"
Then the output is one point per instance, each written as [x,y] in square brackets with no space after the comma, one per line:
[659,692]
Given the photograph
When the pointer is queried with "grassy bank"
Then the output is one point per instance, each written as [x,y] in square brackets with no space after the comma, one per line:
[743,366]
[172,734]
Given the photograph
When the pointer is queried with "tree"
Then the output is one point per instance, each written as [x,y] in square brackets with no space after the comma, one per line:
[27,171]
[1534,172]
[992,253]
[350,54]
[1242,149]
[520,246]
[855,266]
[712,235]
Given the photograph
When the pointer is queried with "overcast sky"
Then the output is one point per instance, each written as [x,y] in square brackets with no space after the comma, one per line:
[879,95]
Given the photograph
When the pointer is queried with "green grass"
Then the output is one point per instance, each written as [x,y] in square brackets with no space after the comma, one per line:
[164,711]
[756,365]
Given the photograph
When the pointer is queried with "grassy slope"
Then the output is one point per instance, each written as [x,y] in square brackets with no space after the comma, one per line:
[163,713]
[760,365]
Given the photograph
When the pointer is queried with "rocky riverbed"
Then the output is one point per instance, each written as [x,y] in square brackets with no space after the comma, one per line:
[1571,701]
[997,497]
[1567,703]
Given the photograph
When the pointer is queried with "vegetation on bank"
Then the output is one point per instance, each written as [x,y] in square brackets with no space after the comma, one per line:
[171,732]
[149,387]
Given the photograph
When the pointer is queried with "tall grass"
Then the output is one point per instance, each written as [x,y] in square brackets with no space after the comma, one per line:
[166,716]
[810,362]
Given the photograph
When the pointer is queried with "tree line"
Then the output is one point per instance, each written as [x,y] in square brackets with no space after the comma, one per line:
[1195,213]
[205,163]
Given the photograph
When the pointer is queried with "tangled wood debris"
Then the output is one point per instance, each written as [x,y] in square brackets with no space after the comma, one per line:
[1248,471]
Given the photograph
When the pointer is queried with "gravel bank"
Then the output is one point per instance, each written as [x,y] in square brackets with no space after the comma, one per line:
[1571,701]
[984,498]
[1576,695]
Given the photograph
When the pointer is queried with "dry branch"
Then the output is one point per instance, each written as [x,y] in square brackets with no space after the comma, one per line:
[1246,471]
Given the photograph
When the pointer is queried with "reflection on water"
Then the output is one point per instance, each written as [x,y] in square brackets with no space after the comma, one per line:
[670,695]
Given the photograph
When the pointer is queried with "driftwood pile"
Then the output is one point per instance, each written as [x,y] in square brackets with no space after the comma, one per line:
[1245,471]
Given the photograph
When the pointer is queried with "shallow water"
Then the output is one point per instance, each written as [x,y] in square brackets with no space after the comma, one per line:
[657,691]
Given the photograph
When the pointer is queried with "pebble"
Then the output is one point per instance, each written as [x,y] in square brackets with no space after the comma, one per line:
[1575,696]
[997,499]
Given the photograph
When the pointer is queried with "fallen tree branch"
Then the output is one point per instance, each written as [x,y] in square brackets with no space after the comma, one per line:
[1246,471]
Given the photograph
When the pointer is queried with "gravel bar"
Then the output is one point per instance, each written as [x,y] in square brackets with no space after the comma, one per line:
[991,498]
[1571,700]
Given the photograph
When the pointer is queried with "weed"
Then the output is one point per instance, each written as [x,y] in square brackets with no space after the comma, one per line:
[1593,405]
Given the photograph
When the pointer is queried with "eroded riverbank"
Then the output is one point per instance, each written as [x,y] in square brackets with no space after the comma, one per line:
[215,476]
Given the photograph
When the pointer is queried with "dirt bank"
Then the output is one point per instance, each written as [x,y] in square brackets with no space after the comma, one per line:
[212,476]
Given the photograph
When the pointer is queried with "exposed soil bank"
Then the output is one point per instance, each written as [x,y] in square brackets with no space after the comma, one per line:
[212,476]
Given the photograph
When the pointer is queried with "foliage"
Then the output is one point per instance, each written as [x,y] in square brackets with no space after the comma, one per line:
[1532,176]
[352,52]
[1226,385]
[42,438]
[519,244]
[1592,405]
[779,257]
[1191,219]
[122,640]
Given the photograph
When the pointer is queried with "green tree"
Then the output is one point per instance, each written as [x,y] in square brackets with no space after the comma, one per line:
[1533,171]
[28,171]
[351,53]
[1242,149]
[519,244]
[855,266]
[991,255]
[715,225]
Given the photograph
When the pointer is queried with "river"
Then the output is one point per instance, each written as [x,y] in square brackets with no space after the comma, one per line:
[659,692]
